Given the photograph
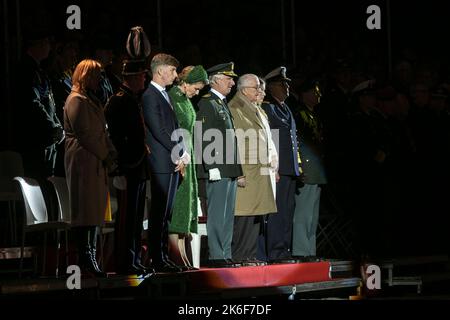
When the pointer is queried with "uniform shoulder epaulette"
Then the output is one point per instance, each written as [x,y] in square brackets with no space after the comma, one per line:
[265,101]
[206,95]
[120,94]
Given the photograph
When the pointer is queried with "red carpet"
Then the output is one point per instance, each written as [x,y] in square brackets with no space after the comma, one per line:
[263,276]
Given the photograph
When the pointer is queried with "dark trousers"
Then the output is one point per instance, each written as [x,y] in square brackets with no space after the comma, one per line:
[163,189]
[277,240]
[128,222]
[245,238]
[221,204]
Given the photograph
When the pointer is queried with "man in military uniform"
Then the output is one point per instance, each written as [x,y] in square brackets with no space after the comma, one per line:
[219,166]
[307,199]
[36,113]
[278,229]
[36,110]
[126,127]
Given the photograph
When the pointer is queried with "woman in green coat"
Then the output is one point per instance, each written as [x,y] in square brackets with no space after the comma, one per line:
[184,216]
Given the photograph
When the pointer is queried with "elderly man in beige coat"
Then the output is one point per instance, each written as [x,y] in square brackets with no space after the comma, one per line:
[255,195]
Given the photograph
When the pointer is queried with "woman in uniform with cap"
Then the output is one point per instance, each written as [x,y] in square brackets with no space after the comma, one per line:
[184,217]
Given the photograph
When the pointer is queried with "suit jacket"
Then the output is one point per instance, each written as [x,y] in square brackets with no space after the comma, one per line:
[160,122]
[213,113]
[256,198]
[126,128]
[281,119]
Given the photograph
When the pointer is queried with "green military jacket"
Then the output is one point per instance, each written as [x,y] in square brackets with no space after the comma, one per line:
[216,128]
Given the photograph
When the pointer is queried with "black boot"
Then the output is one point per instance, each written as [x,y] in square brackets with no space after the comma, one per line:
[86,260]
[137,262]
[93,251]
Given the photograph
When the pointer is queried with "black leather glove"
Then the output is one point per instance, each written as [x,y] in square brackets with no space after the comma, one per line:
[110,163]
[300,181]
[58,134]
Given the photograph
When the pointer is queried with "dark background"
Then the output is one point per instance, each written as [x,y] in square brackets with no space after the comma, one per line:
[305,36]
[250,33]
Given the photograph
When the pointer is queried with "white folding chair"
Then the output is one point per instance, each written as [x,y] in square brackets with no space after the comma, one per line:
[36,219]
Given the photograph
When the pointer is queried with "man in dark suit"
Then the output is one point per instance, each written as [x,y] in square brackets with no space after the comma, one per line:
[123,113]
[167,157]
[278,230]
[219,165]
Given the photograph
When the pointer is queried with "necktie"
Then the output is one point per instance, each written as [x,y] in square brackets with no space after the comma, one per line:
[166,96]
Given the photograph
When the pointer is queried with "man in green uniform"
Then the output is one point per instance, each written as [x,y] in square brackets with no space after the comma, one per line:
[219,165]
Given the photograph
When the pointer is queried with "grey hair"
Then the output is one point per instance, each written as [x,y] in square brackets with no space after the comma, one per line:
[245,80]
[213,79]
[162,59]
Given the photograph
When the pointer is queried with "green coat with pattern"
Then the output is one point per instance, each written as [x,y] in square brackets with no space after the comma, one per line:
[184,216]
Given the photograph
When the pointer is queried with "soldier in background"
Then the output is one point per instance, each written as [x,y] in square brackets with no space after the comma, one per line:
[307,199]
[40,129]
[278,229]
[65,58]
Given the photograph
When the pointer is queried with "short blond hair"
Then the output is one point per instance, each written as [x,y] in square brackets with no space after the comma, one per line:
[85,72]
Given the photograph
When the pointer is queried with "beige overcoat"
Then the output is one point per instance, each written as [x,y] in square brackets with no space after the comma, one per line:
[87,144]
[257,197]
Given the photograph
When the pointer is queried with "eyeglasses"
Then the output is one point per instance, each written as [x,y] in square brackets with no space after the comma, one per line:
[256,88]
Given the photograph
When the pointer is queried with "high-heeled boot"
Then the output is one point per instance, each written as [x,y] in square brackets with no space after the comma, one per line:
[86,262]
[93,251]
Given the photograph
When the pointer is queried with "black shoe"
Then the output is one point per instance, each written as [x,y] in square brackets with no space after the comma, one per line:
[164,267]
[94,260]
[219,263]
[144,270]
[233,264]
[87,269]
[314,259]
[182,268]
[301,259]
[192,268]
[253,263]
[88,264]
[173,264]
